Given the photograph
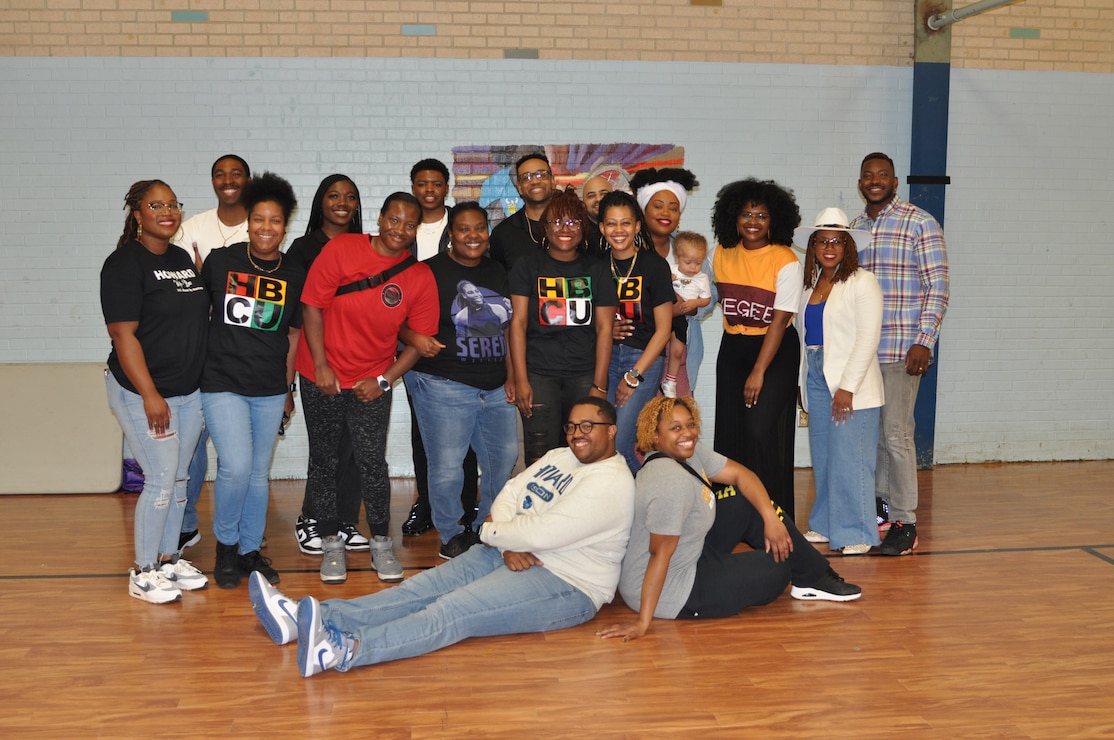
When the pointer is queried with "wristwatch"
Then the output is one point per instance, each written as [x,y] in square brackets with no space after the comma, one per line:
[636,375]
[384,384]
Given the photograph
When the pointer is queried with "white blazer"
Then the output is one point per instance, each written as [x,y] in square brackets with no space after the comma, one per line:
[852,328]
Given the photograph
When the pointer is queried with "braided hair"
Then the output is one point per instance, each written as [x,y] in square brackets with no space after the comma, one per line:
[131,205]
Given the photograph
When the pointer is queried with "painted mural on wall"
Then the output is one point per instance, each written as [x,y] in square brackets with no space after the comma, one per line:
[483,173]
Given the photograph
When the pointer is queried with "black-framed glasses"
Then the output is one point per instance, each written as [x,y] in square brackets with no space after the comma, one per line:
[536,175]
[584,426]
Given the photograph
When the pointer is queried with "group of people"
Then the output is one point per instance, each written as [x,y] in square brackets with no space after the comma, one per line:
[573,297]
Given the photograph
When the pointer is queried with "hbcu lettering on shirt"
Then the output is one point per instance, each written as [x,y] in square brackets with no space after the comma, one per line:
[565,301]
[746,305]
[630,298]
[254,301]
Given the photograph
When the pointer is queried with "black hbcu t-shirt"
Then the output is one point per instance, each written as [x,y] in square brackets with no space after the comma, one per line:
[563,299]
[475,311]
[163,292]
[649,284]
[253,311]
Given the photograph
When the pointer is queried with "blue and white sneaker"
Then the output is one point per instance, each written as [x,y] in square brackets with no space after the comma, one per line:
[151,586]
[183,574]
[277,613]
[320,646]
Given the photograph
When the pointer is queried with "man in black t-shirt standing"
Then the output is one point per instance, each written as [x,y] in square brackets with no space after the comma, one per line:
[523,232]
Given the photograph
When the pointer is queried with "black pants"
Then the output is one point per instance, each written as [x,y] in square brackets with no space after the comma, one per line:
[727,583]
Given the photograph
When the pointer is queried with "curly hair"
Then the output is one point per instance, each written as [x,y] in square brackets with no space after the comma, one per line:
[734,197]
[619,199]
[844,270]
[270,188]
[132,202]
[649,176]
[317,210]
[651,415]
[567,205]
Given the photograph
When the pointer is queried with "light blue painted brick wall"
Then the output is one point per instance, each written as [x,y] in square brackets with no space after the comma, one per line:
[1027,339]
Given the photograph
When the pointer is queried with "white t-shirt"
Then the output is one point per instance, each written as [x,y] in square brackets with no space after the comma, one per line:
[689,287]
[575,518]
[429,237]
[208,233]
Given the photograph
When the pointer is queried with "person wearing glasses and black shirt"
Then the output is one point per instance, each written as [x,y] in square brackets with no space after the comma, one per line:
[522,232]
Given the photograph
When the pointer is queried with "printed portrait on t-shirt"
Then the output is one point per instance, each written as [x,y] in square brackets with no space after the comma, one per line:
[254,301]
[565,301]
[481,317]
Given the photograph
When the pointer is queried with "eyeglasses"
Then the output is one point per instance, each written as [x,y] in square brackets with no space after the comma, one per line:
[568,223]
[585,426]
[835,241]
[537,175]
[160,206]
[751,215]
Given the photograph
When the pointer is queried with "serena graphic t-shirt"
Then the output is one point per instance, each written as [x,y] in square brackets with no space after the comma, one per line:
[253,308]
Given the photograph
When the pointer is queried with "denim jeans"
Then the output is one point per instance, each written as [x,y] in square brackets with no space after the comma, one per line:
[843,459]
[165,463]
[199,465]
[244,430]
[554,398]
[622,360]
[453,416]
[896,480]
[472,595]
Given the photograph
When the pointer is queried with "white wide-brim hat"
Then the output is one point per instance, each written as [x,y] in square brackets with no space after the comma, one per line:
[831,219]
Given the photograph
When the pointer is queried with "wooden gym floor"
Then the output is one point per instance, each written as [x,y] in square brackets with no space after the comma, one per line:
[1000,625]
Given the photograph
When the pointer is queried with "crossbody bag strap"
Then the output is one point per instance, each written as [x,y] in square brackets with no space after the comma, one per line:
[685,465]
[376,280]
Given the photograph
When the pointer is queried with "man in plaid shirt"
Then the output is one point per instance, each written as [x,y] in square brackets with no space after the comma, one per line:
[908,258]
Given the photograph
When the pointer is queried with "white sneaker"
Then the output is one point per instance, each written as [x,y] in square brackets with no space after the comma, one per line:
[151,586]
[305,529]
[669,388]
[320,646]
[182,574]
[862,549]
[277,613]
[354,541]
[815,537]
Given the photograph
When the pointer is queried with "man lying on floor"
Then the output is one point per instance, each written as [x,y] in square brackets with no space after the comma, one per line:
[551,556]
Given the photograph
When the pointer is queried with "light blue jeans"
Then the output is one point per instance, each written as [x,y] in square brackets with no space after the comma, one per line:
[897,450]
[165,463]
[472,595]
[843,459]
[452,416]
[244,430]
[622,360]
[199,466]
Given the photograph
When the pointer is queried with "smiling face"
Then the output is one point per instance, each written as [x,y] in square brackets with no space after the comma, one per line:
[753,223]
[398,227]
[663,213]
[619,227]
[593,446]
[266,230]
[877,183]
[534,181]
[160,223]
[471,294]
[592,193]
[829,248]
[229,179]
[339,205]
[469,238]
[677,433]
[430,188]
[563,234]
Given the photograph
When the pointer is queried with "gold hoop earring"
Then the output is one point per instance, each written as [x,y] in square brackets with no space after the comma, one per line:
[139,231]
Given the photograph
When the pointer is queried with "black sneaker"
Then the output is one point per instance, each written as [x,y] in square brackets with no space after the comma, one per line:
[226,569]
[900,540]
[459,544]
[882,510]
[418,522]
[188,539]
[254,561]
[829,587]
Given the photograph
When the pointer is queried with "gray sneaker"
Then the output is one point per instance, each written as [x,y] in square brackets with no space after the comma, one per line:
[383,560]
[334,569]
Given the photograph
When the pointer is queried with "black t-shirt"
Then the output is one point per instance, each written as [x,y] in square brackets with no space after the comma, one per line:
[253,311]
[563,300]
[514,237]
[650,284]
[475,311]
[304,250]
[163,292]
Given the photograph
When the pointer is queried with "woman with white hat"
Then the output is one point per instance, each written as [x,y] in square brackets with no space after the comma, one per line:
[841,381]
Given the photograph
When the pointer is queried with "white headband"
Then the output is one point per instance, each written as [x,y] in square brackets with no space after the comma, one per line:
[647,191]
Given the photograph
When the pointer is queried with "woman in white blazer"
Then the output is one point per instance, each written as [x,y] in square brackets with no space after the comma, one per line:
[840,381]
